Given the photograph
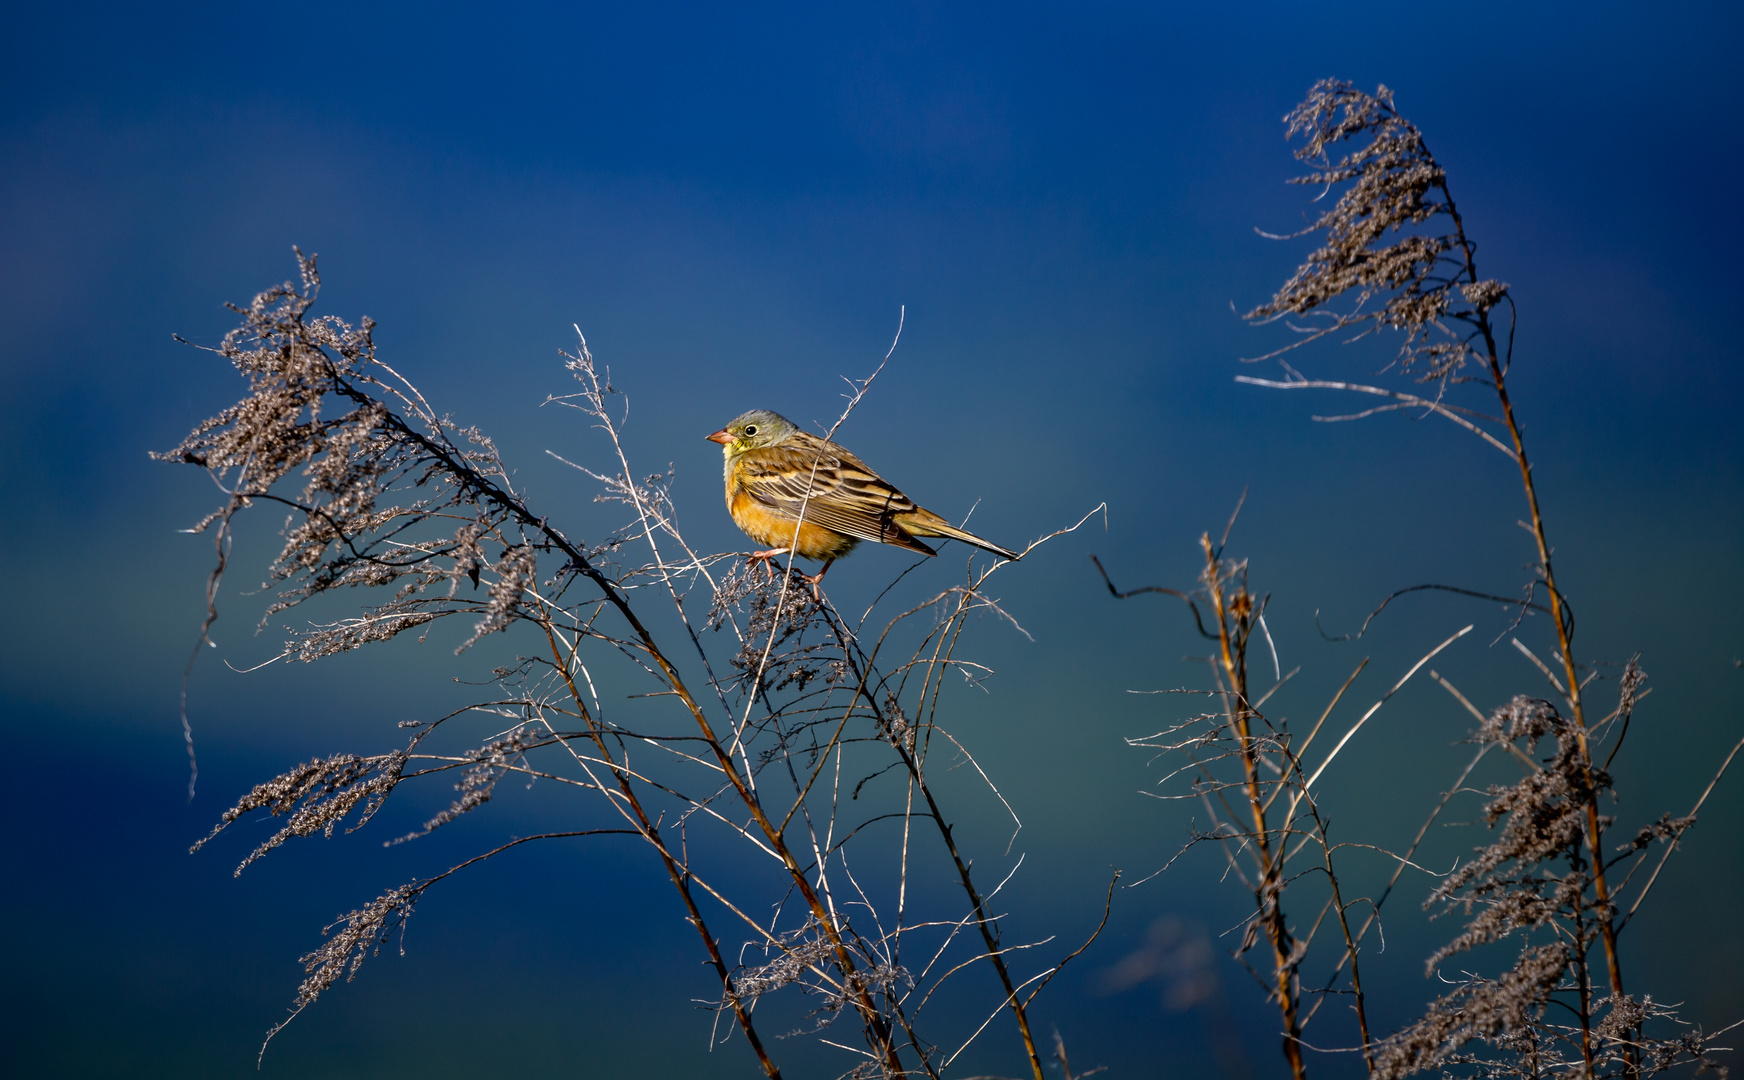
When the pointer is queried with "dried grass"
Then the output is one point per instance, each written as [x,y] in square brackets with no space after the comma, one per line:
[1393,255]
[803,749]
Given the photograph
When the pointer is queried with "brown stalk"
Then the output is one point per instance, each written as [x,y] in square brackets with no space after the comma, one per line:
[680,879]
[484,487]
[1425,284]
[983,921]
[385,442]
[1269,888]
[1560,615]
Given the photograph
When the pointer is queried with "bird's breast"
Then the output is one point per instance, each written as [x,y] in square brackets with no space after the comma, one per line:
[771,528]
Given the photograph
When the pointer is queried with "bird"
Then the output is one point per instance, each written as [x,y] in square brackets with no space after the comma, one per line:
[779,477]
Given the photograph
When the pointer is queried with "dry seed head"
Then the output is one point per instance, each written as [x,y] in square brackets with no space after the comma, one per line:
[1378,246]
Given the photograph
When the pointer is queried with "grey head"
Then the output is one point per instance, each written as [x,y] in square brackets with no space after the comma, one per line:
[753,431]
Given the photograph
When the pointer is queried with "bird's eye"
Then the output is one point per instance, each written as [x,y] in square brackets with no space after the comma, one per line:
[750,429]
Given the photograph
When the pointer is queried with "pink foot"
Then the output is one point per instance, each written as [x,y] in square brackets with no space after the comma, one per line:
[767,558]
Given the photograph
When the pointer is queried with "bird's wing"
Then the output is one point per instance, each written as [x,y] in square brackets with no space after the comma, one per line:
[845,495]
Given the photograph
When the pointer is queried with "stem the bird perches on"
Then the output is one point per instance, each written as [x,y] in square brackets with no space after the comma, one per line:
[721,766]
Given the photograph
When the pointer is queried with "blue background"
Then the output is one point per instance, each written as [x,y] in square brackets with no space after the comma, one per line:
[734,205]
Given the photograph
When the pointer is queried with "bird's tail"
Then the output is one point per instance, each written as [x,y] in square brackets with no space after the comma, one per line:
[938,526]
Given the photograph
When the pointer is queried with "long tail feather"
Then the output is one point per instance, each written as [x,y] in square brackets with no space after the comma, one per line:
[940,528]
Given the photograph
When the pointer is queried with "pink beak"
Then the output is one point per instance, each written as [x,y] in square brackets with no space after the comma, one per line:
[721,437]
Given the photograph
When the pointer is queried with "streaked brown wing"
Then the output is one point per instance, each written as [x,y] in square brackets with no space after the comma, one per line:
[845,495]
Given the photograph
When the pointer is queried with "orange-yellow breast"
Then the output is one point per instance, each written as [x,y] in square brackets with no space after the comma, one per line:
[767,527]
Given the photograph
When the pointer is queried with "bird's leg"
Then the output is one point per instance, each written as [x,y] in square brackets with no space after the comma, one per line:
[767,558]
[814,579]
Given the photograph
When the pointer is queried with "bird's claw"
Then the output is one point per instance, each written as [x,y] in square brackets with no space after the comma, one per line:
[814,581]
[767,558]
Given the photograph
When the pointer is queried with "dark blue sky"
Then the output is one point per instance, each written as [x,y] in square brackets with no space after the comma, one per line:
[734,206]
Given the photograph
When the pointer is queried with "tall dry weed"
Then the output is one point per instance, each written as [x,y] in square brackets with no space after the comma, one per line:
[784,737]
[1557,880]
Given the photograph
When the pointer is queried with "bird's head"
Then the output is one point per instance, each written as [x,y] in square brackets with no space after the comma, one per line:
[753,431]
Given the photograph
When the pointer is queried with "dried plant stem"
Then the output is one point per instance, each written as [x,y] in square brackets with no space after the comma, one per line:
[860,666]
[1560,615]
[484,488]
[420,513]
[1709,790]
[651,833]
[1269,886]
[1544,879]
[487,490]
[1350,940]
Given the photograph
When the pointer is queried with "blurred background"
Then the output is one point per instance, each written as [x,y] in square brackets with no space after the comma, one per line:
[734,205]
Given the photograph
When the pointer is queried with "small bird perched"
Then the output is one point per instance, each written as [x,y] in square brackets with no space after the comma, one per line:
[779,477]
